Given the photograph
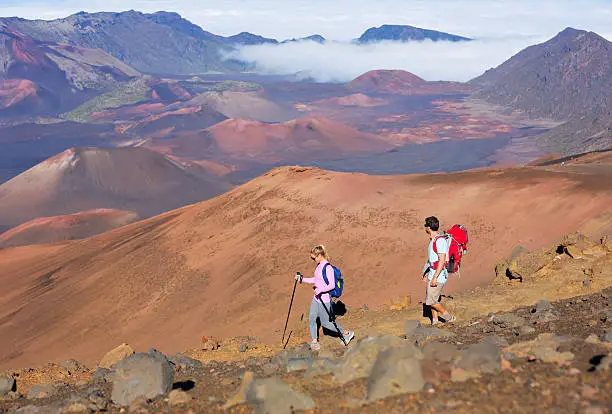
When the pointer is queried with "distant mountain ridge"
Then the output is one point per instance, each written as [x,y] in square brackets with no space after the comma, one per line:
[165,43]
[568,78]
[158,43]
[404,33]
[569,74]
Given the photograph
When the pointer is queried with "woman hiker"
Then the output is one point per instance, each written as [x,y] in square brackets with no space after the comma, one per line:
[321,298]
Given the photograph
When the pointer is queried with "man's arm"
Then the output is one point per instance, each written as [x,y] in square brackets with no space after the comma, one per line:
[441,262]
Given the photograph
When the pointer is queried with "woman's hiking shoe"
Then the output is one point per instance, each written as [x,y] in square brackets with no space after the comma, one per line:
[435,322]
[315,346]
[348,337]
[451,319]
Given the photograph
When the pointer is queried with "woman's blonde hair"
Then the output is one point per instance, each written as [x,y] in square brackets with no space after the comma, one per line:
[320,250]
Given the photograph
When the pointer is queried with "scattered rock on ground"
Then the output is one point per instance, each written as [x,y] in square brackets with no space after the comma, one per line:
[396,371]
[592,339]
[480,358]
[421,335]
[269,395]
[141,375]
[101,375]
[177,397]
[242,348]
[410,326]
[73,366]
[526,330]
[508,320]
[359,360]
[544,348]
[497,340]
[6,385]
[112,357]
[42,391]
[183,363]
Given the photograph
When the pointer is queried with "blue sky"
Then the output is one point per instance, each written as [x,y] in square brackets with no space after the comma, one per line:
[502,28]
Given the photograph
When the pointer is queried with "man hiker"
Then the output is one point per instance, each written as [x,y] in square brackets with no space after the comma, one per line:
[321,303]
[436,272]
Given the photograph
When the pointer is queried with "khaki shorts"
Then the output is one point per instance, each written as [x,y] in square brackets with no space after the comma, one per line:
[432,296]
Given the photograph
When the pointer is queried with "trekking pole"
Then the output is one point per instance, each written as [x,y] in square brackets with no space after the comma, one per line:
[289,312]
[332,319]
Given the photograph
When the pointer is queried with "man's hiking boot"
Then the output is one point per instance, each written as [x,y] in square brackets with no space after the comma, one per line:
[348,337]
[315,346]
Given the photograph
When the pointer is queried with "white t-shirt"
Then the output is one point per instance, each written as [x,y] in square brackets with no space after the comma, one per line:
[432,257]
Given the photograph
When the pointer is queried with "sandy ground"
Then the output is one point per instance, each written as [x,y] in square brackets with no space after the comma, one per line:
[225,267]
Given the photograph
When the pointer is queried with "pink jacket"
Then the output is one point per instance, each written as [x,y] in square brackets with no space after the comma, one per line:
[318,282]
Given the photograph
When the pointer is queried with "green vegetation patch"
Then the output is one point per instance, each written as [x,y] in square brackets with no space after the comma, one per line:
[199,85]
[127,93]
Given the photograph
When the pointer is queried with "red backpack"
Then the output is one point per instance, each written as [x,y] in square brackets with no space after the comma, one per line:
[457,238]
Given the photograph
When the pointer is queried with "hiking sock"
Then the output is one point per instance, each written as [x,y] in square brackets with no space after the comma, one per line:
[446,315]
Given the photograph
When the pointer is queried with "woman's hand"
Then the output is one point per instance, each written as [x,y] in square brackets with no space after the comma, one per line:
[433,283]
[299,277]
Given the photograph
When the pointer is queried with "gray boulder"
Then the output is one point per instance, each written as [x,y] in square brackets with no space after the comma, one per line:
[42,391]
[440,352]
[541,306]
[422,335]
[321,366]
[508,320]
[396,371]
[545,317]
[141,375]
[183,363]
[6,385]
[410,326]
[480,358]
[269,395]
[497,340]
[359,360]
[101,375]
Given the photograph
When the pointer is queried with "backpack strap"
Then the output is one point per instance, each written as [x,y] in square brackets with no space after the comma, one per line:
[324,271]
[434,265]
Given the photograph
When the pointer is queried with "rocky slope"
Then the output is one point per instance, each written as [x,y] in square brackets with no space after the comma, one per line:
[230,260]
[567,78]
[569,75]
[406,34]
[550,354]
[40,77]
[179,46]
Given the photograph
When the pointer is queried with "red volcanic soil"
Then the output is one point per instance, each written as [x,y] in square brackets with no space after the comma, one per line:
[69,227]
[402,83]
[316,137]
[225,267]
[247,105]
[135,179]
[386,81]
[15,91]
[357,99]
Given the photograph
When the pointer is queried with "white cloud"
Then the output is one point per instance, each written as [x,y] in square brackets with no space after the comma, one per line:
[342,62]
